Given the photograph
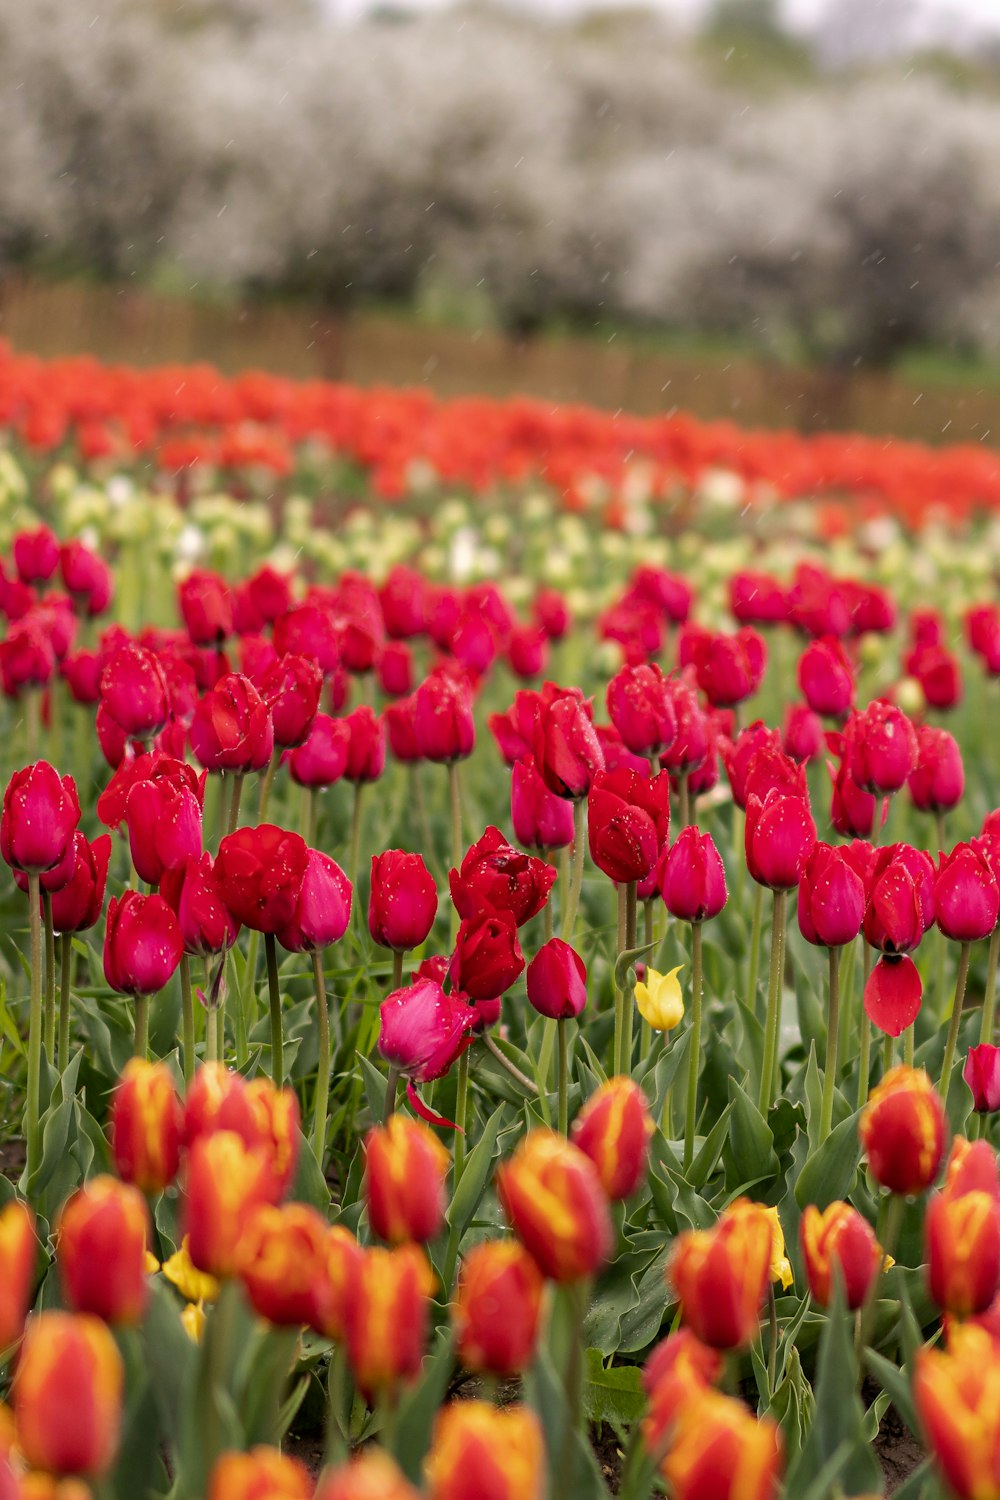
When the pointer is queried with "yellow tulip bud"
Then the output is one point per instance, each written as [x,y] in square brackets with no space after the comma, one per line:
[659,999]
[781,1266]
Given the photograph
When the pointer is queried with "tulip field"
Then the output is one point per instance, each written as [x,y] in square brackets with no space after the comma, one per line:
[498,958]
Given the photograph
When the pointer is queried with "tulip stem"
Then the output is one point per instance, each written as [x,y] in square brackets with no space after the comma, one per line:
[577,1296]
[50,978]
[32,1131]
[141,1026]
[620,945]
[865,1046]
[222,810]
[355,847]
[274,1001]
[187,1017]
[956,1018]
[694,1050]
[754,956]
[266,783]
[234,806]
[576,876]
[832,1046]
[631,940]
[512,1068]
[847,968]
[323,1066]
[461,1117]
[397,968]
[909,1043]
[990,993]
[455,796]
[563,1076]
[65,980]
[890,1222]
[684,798]
[773,1014]
[648,937]
[309,818]
[772,1348]
[887,1044]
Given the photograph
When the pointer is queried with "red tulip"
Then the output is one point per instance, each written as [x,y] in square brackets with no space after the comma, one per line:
[528,651]
[730,667]
[937,781]
[323,909]
[307,630]
[206,608]
[26,657]
[443,725]
[86,577]
[81,672]
[495,877]
[101,1243]
[403,597]
[627,819]
[423,1030]
[395,669]
[146,1123]
[966,896]
[142,944]
[641,709]
[567,751]
[365,745]
[514,731]
[692,877]
[164,826]
[780,834]
[826,678]
[322,757]
[134,692]
[77,905]
[231,729]
[291,689]
[613,1129]
[541,820]
[193,893]
[757,599]
[982,1074]
[738,756]
[557,981]
[487,957]
[403,901]
[691,743]
[900,898]
[260,873]
[881,748]
[831,904]
[36,555]
[40,814]
[852,810]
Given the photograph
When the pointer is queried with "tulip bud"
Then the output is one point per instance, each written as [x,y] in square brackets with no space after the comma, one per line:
[142,944]
[902,1130]
[40,814]
[193,893]
[801,733]
[641,710]
[692,877]
[321,759]
[18,1256]
[68,1394]
[497,1308]
[613,1129]
[567,751]
[937,781]
[261,1474]
[365,745]
[405,1170]
[101,1244]
[730,668]
[548,1173]
[134,692]
[659,998]
[372,1475]
[281,1262]
[224,1183]
[206,607]
[957,1394]
[341,1257]
[721,1275]
[540,819]
[291,688]
[487,958]
[386,1317]
[479,1449]
[403,900]
[557,981]
[982,1074]
[444,728]
[966,896]
[826,678]
[838,1241]
[77,905]
[831,904]
[881,748]
[164,827]
[720,1450]
[628,818]
[36,555]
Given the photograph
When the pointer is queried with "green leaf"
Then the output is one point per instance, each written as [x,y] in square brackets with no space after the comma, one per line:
[375,1087]
[419,1406]
[830,1171]
[750,1143]
[612,1393]
[892,1379]
[478,1170]
[839,1416]
[310,1186]
[627,960]
[545,1395]
[707,1156]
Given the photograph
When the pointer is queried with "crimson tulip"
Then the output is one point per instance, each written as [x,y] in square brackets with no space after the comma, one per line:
[86,577]
[966,896]
[365,745]
[982,1074]
[206,608]
[323,908]
[557,981]
[291,689]
[567,751]
[802,733]
[192,891]
[739,754]
[495,877]
[77,905]
[134,692]
[164,826]
[40,814]
[641,710]
[831,904]
[937,781]
[780,834]
[487,957]
[730,668]
[692,877]
[541,820]
[826,678]
[395,669]
[260,873]
[232,728]
[36,555]
[321,759]
[308,630]
[443,726]
[142,944]
[403,900]
[691,743]
[628,819]
[881,747]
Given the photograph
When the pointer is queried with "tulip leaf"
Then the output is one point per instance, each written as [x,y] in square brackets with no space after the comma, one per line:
[839,1415]
[419,1405]
[172,1358]
[830,1171]
[310,1186]
[706,1158]
[375,1086]
[750,1144]
[545,1394]
[640,1325]
[667,1068]
[138,1466]
[478,1169]
[627,960]
[612,1393]
[897,1383]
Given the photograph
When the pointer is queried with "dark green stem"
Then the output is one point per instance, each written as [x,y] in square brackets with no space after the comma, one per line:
[50,978]
[563,1076]
[323,1065]
[187,1018]
[32,1127]
[65,982]
[274,1002]
[956,1018]
[576,876]
[694,1050]
[773,1015]
[832,1045]
[141,1026]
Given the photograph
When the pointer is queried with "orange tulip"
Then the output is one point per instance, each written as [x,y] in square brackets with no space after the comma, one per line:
[838,1238]
[68,1394]
[280,1261]
[479,1449]
[101,1242]
[146,1124]
[957,1392]
[224,1183]
[18,1255]
[497,1308]
[405,1169]
[720,1451]
[371,1476]
[386,1317]
[902,1131]
[613,1129]
[261,1474]
[341,1260]
[554,1201]
[721,1275]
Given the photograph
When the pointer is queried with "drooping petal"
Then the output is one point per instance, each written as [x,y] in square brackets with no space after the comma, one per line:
[893,994]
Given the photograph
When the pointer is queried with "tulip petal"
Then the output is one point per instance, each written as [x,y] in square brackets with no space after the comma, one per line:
[426,1113]
[893,994]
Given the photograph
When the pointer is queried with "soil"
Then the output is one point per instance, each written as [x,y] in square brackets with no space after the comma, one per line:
[896,1449]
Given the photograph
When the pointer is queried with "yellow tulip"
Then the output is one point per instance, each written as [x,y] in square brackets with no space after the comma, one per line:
[659,999]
